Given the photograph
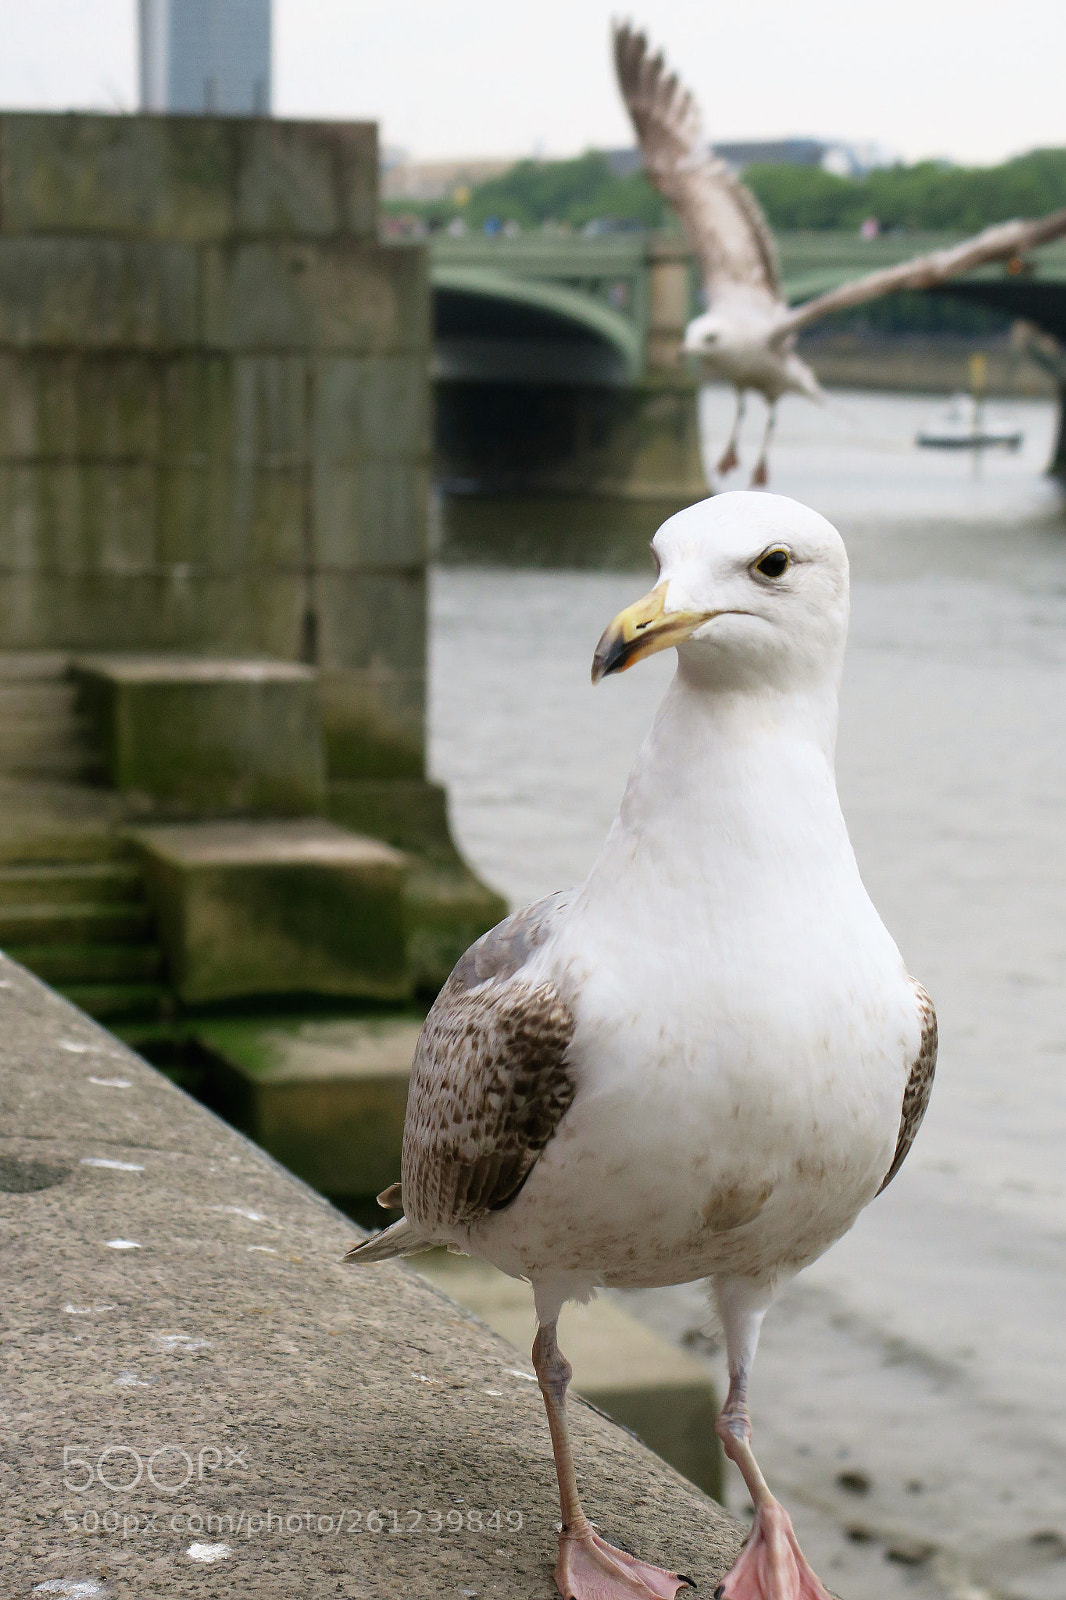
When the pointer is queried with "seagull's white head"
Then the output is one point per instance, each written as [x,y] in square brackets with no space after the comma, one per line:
[706,335]
[753,590]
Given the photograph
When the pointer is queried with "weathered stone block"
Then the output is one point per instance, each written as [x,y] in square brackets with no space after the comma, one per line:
[326,1097]
[271,394]
[196,407]
[374,621]
[306,179]
[229,518]
[370,515]
[194,177]
[409,813]
[196,530]
[367,299]
[18,404]
[98,293]
[74,517]
[370,406]
[446,905]
[161,177]
[69,407]
[180,609]
[373,723]
[283,907]
[193,736]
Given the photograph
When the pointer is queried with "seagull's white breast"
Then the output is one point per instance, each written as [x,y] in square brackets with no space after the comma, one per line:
[745,1029]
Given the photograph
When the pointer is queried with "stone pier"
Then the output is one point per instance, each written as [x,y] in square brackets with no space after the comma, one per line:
[214,462]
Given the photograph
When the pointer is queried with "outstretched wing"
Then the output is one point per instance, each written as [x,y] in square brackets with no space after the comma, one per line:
[490,1081]
[919,1085]
[723,220]
[999,243]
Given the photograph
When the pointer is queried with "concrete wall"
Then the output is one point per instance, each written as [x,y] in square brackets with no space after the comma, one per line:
[214,407]
[200,1400]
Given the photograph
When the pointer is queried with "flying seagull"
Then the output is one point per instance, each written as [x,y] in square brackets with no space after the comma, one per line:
[705,1060]
[748,332]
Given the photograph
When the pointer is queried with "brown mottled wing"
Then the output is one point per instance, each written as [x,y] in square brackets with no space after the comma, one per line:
[999,243]
[919,1085]
[490,1081]
[721,217]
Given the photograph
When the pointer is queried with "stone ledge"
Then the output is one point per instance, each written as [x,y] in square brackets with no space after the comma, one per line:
[279,906]
[632,1373]
[296,1386]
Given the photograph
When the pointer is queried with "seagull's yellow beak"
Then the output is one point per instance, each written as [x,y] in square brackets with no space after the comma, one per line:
[642,629]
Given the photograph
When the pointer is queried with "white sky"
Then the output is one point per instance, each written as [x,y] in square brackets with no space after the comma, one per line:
[975,80]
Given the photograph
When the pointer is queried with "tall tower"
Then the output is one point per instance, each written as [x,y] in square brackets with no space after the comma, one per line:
[205,55]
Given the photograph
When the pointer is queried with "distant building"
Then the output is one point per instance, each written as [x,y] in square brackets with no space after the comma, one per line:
[403,179]
[837,156]
[205,56]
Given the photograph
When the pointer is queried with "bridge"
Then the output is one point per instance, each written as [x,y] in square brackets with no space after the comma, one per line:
[561,397]
[559,374]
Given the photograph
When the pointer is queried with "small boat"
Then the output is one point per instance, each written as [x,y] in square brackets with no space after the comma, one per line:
[965,425]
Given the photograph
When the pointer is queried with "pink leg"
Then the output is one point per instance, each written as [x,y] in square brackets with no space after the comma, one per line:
[730,459]
[761,476]
[771,1565]
[588,1567]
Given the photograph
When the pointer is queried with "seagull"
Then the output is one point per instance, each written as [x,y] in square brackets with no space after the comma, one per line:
[747,335]
[708,1058]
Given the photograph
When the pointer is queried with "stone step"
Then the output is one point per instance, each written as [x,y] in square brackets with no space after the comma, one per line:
[56,822]
[89,883]
[650,1386]
[20,666]
[195,736]
[289,906]
[73,761]
[68,964]
[20,846]
[74,924]
[116,1000]
[22,737]
[38,743]
[29,698]
[325,1095]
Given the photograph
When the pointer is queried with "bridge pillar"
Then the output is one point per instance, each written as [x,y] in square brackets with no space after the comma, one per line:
[579,475]
[669,303]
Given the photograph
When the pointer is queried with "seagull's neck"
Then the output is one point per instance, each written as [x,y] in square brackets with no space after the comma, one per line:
[727,777]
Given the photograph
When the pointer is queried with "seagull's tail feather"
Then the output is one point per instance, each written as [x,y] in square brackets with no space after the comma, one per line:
[399,1239]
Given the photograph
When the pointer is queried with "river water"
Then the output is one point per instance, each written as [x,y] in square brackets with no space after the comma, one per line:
[909,1398]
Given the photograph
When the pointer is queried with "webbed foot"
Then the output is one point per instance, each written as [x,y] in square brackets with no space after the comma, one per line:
[589,1568]
[771,1565]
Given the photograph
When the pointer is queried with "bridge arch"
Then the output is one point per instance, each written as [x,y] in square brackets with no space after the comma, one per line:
[490,327]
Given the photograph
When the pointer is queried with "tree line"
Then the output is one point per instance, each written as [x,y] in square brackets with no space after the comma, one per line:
[929,196]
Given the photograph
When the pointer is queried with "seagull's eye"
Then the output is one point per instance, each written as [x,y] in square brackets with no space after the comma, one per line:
[775,563]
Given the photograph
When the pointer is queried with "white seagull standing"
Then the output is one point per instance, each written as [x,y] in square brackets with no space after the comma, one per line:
[748,332]
[707,1059]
